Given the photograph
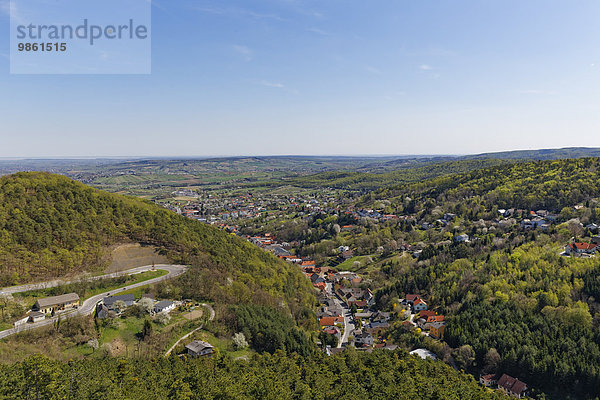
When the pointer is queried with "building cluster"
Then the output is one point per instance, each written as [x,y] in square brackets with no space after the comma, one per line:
[215,209]
[112,306]
[49,306]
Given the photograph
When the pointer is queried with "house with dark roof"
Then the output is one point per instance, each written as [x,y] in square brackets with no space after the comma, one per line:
[363,339]
[199,348]
[164,306]
[512,386]
[110,301]
[410,299]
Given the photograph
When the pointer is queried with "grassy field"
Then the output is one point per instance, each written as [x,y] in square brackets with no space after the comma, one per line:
[348,265]
[132,255]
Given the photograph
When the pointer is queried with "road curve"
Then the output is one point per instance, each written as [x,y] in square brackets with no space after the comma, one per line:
[187,335]
[59,282]
[89,305]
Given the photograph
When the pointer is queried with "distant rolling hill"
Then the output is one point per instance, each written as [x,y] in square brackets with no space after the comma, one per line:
[543,154]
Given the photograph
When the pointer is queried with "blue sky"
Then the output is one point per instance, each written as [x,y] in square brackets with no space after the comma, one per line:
[325,77]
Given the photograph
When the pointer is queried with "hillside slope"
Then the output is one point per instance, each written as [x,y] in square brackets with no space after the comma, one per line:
[508,293]
[51,226]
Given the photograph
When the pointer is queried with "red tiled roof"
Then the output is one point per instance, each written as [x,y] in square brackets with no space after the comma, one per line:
[583,246]
[329,321]
[427,313]
[412,297]
[435,318]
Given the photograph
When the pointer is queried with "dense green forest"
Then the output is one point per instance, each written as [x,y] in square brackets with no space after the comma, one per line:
[550,185]
[366,181]
[508,294]
[268,330]
[530,305]
[51,226]
[352,375]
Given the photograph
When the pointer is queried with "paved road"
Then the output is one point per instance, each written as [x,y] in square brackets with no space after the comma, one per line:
[60,282]
[89,305]
[348,326]
[187,335]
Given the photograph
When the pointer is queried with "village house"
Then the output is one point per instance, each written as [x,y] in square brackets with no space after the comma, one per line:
[581,248]
[127,299]
[199,348]
[36,316]
[410,299]
[103,312]
[464,238]
[164,306]
[333,330]
[489,380]
[380,316]
[426,323]
[423,353]
[348,254]
[419,305]
[363,316]
[331,321]
[436,330]
[375,328]
[363,339]
[49,305]
[512,386]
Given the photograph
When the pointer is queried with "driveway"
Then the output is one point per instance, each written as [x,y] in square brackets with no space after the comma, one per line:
[89,305]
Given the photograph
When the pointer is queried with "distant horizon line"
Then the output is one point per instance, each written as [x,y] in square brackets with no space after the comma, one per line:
[196,157]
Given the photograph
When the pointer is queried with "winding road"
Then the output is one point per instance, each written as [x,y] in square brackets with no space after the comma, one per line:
[59,282]
[89,305]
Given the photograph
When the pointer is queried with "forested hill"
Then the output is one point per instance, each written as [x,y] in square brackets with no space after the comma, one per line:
[542,154]
[51,226]
[508,292]
[381,375]
[403,175]
[550,185]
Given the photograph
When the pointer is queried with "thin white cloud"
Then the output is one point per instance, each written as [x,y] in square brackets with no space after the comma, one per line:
[244,51]
[234,12]
[272,84]
[373,70]
[425,67]
[538,92]
[318,31]
[276,85]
